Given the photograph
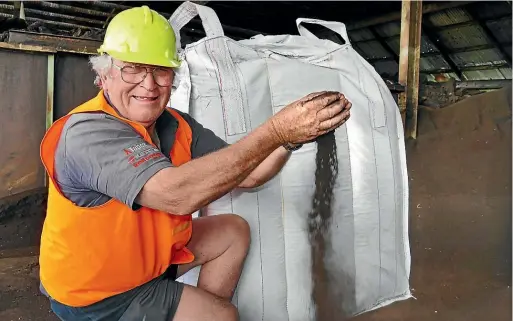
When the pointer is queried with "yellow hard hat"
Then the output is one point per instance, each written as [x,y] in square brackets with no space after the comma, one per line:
[141,35]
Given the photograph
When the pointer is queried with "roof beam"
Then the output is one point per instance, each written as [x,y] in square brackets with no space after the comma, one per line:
[396,16]
[453,51]
[51,5]
[465,49]
[51,14]
[195,21]
[58,42]
[106,4]
[484,84]
[466,68]
[55,23]
[196,27]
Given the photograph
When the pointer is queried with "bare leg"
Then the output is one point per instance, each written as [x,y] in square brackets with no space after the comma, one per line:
[199,305]
[220,244]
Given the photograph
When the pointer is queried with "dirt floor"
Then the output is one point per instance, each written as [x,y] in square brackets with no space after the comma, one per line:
[20,229]
[460,227]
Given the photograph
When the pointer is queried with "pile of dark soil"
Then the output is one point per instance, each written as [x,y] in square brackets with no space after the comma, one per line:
[460,214]
[21,221]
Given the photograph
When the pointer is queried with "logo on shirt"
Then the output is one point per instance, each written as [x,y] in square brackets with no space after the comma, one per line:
[141,153]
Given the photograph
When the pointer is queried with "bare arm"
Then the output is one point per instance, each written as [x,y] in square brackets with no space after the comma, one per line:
[183,190]
[269,168]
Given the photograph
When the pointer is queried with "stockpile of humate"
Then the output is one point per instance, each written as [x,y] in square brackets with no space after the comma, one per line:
[332,228]
[460,174]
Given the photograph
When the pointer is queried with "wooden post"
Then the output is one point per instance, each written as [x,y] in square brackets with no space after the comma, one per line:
[50,72]
[409,59]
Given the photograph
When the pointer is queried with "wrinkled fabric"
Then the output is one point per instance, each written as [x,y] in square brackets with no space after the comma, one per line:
[231,87]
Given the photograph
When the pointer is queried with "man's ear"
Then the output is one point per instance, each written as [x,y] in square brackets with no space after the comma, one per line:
[103,81]
[98,81]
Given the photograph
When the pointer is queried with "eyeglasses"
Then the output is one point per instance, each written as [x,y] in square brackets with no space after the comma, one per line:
[134,74]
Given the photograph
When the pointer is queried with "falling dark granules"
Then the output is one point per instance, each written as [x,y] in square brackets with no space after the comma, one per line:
[325,295]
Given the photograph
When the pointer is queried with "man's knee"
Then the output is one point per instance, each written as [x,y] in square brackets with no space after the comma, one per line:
[231,313]
[240,230]
[226,311]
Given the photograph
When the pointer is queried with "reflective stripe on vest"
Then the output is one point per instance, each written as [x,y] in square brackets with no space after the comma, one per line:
[89,254]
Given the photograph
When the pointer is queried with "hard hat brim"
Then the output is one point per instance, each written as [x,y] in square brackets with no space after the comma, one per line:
[142,59]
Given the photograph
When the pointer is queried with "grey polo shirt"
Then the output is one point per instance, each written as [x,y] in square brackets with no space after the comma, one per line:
[99,157]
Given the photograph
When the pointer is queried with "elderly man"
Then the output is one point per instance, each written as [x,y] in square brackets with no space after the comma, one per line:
[126,173]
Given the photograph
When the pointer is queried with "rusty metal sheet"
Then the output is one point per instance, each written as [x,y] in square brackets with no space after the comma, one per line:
[22,125]
[73,83]
[60,43]
[29,48]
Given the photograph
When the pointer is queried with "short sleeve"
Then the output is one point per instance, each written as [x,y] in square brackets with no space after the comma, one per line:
[103,154]
[204,141]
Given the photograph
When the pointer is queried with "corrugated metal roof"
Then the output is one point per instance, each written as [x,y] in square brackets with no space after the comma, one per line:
[389,29]
[467,43]
[501,29]
[508,50]
[478,58]
[490,9]
[427,46]
[506,72]
[69,17]
[358,50]
[485,74]
[387,68]
[431,63]
[467,36]
[372,50]
[395,44]
[449,17]
[360,35]
[452,75]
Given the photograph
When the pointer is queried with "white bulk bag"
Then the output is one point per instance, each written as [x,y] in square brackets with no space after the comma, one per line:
[231,87]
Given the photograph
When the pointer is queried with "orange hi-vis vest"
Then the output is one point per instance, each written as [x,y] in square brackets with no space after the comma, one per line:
[89,254]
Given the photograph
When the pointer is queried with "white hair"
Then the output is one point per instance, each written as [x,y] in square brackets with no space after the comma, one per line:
[100,64]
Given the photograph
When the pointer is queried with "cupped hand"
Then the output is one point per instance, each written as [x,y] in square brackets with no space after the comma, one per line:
[310,117]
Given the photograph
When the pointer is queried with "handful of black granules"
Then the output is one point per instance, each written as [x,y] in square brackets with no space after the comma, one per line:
[324,293]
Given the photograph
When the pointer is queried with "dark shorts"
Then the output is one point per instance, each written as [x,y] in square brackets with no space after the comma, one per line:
[156,300]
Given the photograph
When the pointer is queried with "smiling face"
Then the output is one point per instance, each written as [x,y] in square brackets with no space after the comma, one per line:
[143,102]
